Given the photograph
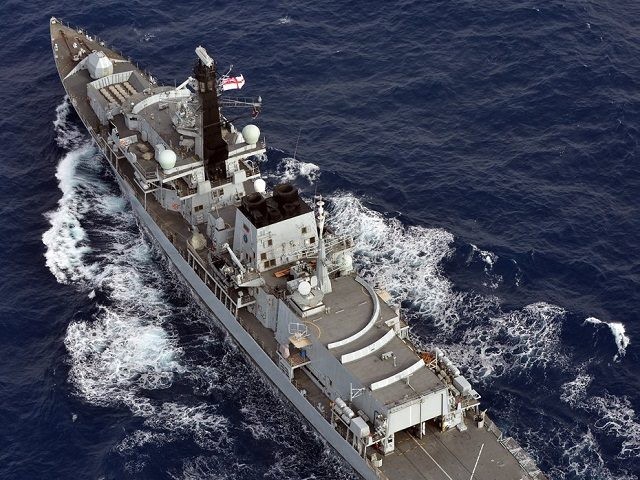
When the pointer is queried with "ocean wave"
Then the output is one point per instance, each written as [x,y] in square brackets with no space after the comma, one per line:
[127,347]
[405,261]
[513,342]
[575,391]
[617,418]
[581,457]
[127,351]
[619,335]
[213,468]
[291,169]
[66,240]
[68,136]
[408,263]
[489,260]
[612,415]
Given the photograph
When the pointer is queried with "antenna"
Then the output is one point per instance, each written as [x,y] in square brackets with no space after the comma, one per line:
[295,152]
[354,392]
[204,56]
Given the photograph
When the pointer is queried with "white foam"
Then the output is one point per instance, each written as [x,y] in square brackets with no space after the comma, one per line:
[141,438]
[117,355]
[485,341]
[67,134]
[290,169]
[573,446]
[619,335]
[406,261]
[613,415]
[618,419]
[512,342]
[126,346]
[489,260]
[215,468]
[575,391]
[199,422]
[582,457]
[66,239]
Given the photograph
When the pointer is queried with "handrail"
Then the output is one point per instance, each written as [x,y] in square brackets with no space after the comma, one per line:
[368,326]
[398,376]
[363,352]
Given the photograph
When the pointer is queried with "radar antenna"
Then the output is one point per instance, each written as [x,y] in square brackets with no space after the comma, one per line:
[204,57]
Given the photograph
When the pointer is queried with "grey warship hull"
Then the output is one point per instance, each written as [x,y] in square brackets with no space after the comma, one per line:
[309,378]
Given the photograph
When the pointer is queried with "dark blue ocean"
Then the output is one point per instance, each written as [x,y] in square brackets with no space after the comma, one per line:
[485,154]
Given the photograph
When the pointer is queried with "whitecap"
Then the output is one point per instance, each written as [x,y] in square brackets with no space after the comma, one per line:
[66,240]
[619,335]
[290,169]
[200,422]
[405,261]
[513,342]
[489,260]
[68,136]
[575,391]
[617,418]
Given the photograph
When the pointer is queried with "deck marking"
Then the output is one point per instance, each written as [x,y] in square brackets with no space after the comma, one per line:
[476,465]
[433,459]
[309,322]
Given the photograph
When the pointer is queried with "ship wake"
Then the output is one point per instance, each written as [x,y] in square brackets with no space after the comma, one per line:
[127,346]
[487,341]
[146,346]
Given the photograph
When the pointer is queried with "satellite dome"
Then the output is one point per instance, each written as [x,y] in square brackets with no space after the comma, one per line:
[304,288]
[198,241]
[251,134]
[260,185]
[167,159]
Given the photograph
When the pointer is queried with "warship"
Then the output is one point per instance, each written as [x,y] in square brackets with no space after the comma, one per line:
[266,266]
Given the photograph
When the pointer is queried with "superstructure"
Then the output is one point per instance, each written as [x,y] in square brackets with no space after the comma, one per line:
[267,267]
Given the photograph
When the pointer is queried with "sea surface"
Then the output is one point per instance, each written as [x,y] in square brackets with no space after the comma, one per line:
[485,154]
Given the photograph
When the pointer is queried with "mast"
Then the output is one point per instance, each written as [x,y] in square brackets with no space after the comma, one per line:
[214,148]
[324,282]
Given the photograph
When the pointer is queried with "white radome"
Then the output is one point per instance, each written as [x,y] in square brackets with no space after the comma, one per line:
[304,288]
[198,241]
[167,159]
[251,134]
[260,185]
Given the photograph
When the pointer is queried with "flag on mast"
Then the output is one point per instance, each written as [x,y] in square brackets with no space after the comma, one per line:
[232,83]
